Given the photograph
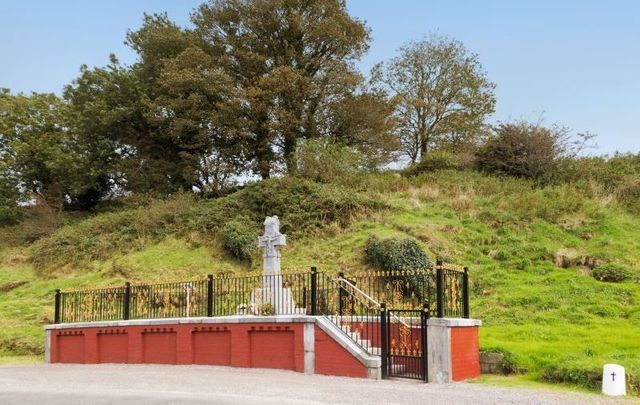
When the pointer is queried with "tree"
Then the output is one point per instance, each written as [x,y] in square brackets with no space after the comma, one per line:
[365,121]
[158,121]
[10,196]
[40,155]
[440,90]
[288,59]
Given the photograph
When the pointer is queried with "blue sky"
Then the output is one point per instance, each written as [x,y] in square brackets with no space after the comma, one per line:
[577,63]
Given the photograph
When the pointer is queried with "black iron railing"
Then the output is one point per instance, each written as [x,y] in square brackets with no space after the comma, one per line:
[445,292]
[452,291]
[352,310]
[408,289]
[167,300]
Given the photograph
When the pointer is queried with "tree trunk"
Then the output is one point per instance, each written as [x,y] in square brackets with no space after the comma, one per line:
[290,144]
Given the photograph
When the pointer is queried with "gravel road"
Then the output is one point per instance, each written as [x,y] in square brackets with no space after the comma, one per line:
[156,384]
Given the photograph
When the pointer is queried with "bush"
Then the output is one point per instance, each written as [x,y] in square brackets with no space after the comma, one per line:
[618,176]
[611,273]
[396,254]
[523,150]
[239,239]
[302,206]
[325,160]
[434,161]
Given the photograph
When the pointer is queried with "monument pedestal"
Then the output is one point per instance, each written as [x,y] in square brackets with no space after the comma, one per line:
[274,300]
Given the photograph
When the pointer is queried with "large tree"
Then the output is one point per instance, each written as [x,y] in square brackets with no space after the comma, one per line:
[40,155]
[289,59]
[441,93]
[159,120]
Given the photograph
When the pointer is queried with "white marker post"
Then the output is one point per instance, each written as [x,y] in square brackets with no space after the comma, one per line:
[613,380]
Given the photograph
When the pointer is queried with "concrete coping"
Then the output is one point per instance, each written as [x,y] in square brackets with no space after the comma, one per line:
[191,320]
[450,322]
[454,322]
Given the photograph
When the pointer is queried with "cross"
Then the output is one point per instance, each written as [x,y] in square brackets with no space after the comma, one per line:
[272,238]
[613,376]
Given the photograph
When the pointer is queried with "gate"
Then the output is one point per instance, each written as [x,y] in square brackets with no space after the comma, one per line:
[404,344]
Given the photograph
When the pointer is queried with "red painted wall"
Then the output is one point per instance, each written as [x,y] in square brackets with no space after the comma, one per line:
[264,345]
[159,346]
[465,353]
[333,359]
[212,347]
[70,347]
[272,349]
[113,346]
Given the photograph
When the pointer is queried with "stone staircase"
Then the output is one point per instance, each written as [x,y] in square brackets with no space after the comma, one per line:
[356,336]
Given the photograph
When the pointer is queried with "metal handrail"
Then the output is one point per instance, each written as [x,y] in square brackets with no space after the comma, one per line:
[368,297]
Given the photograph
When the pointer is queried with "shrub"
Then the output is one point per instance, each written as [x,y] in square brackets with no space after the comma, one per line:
[238,238]
[618,176]
[434,161]
[523,150]
[98,238]
[396,254]
[302,206]
[400,255]
[325,160]
[611,273]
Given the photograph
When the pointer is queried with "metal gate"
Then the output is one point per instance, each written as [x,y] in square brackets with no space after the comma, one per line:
[404,344]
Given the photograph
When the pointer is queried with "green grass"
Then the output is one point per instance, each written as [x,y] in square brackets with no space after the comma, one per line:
[560,324]
[524,381]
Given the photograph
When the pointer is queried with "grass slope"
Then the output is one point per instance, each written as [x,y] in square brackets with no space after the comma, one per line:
[560,324]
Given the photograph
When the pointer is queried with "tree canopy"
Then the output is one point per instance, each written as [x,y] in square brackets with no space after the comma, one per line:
[441,93]
[252,88]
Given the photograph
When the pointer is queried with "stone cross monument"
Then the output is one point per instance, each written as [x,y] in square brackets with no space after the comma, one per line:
[273,292]
[271,242]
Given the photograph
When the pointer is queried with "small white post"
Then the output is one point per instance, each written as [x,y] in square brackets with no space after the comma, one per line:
[613,380]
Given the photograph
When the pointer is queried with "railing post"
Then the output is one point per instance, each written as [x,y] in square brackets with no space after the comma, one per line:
[340,294]
[127,299]
[425,341]
[465,292]
[210,295]
[56,314]
[384,346]
[439,289]
[314,291]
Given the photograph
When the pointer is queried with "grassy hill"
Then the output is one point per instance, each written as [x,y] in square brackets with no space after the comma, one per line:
[534,254]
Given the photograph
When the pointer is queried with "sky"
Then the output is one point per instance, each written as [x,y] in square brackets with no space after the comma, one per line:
[573,63]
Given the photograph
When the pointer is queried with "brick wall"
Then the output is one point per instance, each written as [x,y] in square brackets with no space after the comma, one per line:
[257,345]
[270,345]
[333,359]
[465,353]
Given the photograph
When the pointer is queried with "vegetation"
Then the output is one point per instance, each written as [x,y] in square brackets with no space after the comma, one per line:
[395,254]
[150,172]
[441,93]
[238,239]
[555,321]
